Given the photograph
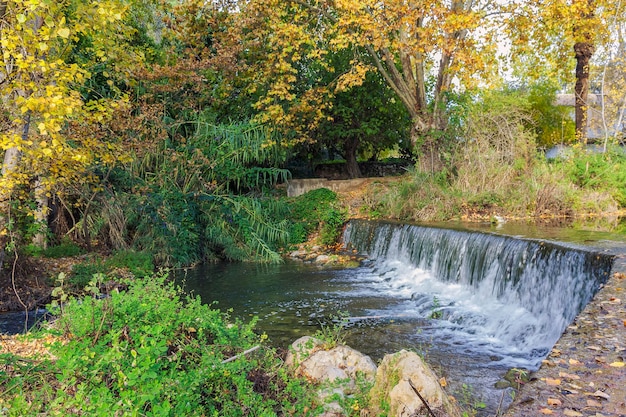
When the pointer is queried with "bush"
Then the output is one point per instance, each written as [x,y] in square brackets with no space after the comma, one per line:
[151,351]
[600,172]
[137,263]
[316,210]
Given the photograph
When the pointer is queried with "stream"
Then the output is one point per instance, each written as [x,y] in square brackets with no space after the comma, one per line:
[473,304]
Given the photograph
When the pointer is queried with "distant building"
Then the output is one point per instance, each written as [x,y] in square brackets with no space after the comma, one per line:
[595,124]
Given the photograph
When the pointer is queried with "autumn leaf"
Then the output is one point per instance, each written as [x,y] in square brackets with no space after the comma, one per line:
[554,402]
[601,394]
[617,364]
[64,33]
[553,382]
[546,411]
[572,413]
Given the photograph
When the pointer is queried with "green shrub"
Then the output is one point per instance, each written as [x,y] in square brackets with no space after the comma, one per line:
[138,263]
[83,272]
[316,210]
[600,171]
[151,351]
[65,249]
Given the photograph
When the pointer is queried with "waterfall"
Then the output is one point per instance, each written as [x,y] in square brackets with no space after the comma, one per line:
[516,295]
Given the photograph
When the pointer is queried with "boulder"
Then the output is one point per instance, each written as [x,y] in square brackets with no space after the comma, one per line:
[334,370]
[308,358]
[393,388]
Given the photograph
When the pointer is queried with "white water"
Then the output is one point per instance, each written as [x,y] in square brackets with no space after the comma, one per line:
[509,299]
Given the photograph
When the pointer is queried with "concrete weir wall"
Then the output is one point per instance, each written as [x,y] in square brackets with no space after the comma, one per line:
[301,186]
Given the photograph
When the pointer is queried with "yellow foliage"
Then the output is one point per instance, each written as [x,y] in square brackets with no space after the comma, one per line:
[40,89]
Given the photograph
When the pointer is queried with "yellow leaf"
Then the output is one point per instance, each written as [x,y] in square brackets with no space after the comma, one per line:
[553,382]
[20,18]
[546,411]
[571,413]
[554,402]
[64,33]
[43,46]
[617,364]
[443,382]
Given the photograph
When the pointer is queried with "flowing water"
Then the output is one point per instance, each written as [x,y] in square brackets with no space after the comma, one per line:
[474,304]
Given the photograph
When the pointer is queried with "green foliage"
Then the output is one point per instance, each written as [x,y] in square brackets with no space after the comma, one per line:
[332,333]
[496,170]
[184,202]
[151,351]
[313,211]
[370,112]
[554,124]
[600,172]
[66,248]
[139,264]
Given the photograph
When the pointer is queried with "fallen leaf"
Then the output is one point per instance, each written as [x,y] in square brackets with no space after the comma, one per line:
[594,348]
[554,402]
[617,364]
[553,382]
[443,382]
[568,376]
[546,411]
[601,394]
[576,362]
[594,403]
[572,413]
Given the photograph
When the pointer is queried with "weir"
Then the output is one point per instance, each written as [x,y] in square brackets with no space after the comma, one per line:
[513,295]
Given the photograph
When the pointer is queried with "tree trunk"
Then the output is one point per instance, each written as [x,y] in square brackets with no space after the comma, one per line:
[350,146]
[584,51]
[41,215]
[10,165]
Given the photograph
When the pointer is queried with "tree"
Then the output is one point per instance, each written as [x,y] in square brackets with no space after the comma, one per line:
[419,48]
[365,117]
[547,35]
[48,141]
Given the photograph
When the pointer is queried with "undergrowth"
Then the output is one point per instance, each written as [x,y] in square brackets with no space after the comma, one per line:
[150,351]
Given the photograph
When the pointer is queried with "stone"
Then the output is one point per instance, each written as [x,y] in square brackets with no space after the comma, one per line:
[334,370]
[322,259]
[308,359]
[392,387]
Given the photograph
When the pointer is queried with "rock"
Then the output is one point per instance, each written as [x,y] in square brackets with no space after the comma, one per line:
[392,387]
[308,358]
[322,259]
[298,254]
[335,370]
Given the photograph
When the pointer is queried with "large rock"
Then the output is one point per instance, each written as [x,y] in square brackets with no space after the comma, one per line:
[392,388]
[308,358]
[335,370]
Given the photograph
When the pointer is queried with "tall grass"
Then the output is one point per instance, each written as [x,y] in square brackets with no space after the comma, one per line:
[496,169]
